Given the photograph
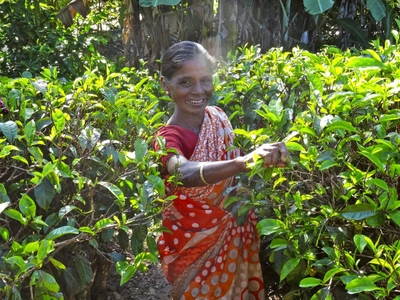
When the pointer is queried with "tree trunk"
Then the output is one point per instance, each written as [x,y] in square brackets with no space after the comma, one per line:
[149,31]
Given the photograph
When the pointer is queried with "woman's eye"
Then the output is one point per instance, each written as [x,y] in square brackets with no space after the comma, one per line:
[207,81]
[186,83]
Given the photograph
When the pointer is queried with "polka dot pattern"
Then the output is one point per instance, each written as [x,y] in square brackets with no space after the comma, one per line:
[206,254]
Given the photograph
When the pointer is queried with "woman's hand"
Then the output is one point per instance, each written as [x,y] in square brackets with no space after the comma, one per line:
[274,155]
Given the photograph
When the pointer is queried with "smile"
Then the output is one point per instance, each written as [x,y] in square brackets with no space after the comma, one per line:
[196,102]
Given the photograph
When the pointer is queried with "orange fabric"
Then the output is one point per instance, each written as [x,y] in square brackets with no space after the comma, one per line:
[208,255]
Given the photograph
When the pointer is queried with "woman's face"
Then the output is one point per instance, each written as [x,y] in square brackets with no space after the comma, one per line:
[191,86]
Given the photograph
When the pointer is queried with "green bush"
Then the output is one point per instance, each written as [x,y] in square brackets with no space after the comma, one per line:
[79,186]
[33,38]
[330,222]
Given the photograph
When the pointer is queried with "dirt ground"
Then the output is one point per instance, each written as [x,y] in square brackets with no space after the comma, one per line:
[151,285]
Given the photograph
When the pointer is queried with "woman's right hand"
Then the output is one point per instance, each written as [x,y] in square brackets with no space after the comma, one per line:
[274,155]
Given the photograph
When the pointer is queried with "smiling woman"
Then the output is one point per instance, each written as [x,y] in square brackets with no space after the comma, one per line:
[206,254]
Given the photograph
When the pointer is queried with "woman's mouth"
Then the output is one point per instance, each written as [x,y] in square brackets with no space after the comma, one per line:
[196,102]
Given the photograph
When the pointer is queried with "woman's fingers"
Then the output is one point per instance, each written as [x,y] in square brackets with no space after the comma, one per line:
[275,154]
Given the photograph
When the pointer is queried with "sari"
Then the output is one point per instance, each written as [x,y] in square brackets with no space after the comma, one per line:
[206,254]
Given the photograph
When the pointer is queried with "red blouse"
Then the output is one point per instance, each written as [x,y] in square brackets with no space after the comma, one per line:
[181,139]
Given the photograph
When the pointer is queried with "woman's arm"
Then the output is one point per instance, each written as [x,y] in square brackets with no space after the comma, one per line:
[190,172]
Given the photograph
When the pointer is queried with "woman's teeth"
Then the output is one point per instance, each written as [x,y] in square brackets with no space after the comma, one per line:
[196,101]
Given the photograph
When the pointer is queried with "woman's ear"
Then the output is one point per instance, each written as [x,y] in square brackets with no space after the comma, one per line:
[164,85]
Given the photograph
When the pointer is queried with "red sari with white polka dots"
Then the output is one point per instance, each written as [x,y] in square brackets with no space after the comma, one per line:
[208,255]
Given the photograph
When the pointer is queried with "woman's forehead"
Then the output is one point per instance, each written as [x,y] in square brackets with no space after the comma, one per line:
[196,65]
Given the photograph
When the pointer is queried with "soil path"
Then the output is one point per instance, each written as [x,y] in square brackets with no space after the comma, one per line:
[151,285]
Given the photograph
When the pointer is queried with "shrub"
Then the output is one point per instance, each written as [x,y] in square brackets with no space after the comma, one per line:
[330,222]
[79,186]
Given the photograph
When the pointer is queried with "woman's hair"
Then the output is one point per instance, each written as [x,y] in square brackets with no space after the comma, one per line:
[181,52]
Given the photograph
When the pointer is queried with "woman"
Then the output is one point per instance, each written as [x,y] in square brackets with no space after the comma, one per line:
[206,254]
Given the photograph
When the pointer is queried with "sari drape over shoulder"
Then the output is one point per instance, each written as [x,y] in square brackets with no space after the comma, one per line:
[206,254]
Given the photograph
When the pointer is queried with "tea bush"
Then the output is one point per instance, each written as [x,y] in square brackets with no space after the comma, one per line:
[330,222]
[80,187]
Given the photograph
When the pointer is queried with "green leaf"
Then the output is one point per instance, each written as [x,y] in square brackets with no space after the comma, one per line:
[123,239]
[19,158]
[84,270]
[44,194]
[377,220]
[60,231]
[377,9]
[292,146]
[288,267]
[29,132]
[140,232]
[86,229]
[158,184]
[332,272]
[316,7]
[358,211]
[45,248]
[322,294]
[126,273]
[16,215]
[359,285]
[364,62]
[58,119]
[373,158]
[361,241]
[15,294]
[16,261]
[269,226]
[6,150]
[71,277]
[140,149]
[390,117]
[27,206]
[5,234]
[3,196]
[378,182]
[310,282]
[10,130]
[56,263]
[356,31]
[153,3]
[327,164]
[137,239]
[107,235]
[152,245]
[383,263]
[103,223]
[45,282]
[340,125]
[116,191]
[395,216]
[278,244]
[43,123]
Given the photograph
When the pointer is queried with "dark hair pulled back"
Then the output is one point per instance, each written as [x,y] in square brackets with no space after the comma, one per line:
[181,52]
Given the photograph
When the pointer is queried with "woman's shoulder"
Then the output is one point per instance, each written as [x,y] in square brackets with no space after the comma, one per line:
[216,111]
[172,129]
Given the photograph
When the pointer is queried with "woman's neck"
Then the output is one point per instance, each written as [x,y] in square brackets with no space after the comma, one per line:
[192,123]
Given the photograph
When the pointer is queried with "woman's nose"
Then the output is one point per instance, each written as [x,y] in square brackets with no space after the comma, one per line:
[197,88]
